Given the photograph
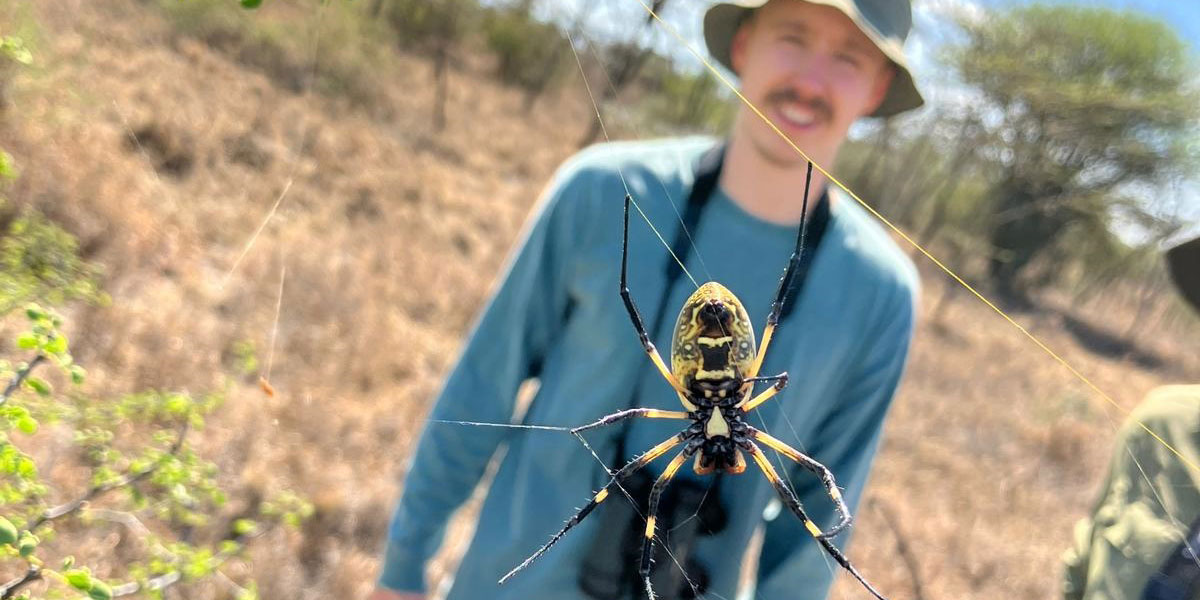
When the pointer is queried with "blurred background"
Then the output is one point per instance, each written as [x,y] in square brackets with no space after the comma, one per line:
[320,195]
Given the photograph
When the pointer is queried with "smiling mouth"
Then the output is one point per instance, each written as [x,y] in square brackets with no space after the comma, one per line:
[797,116]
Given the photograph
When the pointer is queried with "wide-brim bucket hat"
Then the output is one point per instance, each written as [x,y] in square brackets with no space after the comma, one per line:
[885,22]
[1183,261]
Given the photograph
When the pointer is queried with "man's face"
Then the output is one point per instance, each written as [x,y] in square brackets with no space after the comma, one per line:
[812,72]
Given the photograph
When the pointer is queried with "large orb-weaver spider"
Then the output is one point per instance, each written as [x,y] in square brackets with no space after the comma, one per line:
[714,366]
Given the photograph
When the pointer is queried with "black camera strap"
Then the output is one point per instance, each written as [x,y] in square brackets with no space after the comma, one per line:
[608,571]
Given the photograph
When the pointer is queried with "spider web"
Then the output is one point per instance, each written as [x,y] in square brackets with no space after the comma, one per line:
[252,246]
[1037,342]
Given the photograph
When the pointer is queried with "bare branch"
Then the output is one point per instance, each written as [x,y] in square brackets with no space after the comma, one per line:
[157,583]
[906,553]
[14,586]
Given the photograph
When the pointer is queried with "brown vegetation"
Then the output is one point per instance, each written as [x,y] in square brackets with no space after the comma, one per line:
[164,151]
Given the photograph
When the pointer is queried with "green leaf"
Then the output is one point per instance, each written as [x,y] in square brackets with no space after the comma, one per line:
[57,344]
[244,526]
[15,48]
[8,531]
[78,374]
[6,167]
[27,544]
[177,404]
[251,4]
[79,579]
[26,468]
[38,385]
[28,425]
[27,341]
[100,591]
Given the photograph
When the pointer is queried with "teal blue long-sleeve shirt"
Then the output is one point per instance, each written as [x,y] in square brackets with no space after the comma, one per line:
[556,316]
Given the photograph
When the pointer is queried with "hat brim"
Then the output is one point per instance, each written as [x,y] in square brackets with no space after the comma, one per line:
[1183,261]
[721,22]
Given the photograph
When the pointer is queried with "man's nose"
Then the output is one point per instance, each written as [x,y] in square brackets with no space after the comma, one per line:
[810,75]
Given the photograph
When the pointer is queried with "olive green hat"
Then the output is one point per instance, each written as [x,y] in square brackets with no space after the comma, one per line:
[1183,261]
[885,22]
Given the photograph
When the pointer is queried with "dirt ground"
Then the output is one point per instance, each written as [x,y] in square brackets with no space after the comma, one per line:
[165,156]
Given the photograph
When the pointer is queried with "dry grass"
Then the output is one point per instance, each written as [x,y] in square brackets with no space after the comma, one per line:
[390,235]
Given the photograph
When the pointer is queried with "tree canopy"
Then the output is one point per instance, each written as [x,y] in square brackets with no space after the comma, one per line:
[1081,105]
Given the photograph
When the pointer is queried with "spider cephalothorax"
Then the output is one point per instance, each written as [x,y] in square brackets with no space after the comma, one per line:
[714,366]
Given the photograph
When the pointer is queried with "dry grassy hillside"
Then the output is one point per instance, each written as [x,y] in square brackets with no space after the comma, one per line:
[164,154]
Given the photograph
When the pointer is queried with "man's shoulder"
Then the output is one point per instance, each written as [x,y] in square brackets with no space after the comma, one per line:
[874,252]
[660,158]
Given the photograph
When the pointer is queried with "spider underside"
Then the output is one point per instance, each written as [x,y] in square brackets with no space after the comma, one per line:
[714,366]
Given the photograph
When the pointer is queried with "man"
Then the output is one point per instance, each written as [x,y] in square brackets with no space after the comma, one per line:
[1142,540]
[814,69]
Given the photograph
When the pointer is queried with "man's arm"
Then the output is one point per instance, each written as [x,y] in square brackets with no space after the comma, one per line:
[510,340]
[791,562]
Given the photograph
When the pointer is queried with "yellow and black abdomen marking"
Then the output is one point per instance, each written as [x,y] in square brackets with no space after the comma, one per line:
[713,338]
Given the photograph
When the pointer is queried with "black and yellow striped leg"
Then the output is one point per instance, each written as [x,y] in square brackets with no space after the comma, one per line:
[785,282]
[636,317]
[650,413]
[765,378]
[793,504]
[621,474]
[655,493]
[821,471]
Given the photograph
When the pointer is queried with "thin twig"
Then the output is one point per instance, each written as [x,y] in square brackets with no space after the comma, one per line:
[161,582]
[67,508]
[902,547]
[19,378]
[14,586]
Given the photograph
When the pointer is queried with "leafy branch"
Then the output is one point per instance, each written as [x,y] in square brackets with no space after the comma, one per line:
[96,491]
[20,377]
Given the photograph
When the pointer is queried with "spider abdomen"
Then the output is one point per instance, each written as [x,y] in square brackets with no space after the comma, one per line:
[713,344]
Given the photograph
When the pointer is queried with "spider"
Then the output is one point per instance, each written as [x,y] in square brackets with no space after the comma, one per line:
[714,367]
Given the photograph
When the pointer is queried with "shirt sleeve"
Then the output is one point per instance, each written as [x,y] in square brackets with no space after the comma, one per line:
[506,347]
[791,562]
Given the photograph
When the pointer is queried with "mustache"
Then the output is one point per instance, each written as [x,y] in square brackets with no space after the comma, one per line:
[822,108]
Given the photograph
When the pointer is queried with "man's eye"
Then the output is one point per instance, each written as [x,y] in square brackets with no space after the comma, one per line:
[848,60]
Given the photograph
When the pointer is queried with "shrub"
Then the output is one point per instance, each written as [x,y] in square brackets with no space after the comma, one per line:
[529,52]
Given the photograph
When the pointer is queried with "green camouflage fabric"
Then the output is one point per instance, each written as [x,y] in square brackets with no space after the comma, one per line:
[1138,519]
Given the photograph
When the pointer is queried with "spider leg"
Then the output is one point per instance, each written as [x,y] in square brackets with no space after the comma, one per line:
[790,500]
[765,378]
[780,381]
[636,317]
[821,470]
[650,413]
[785,282]
[648,543]
[600,496]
